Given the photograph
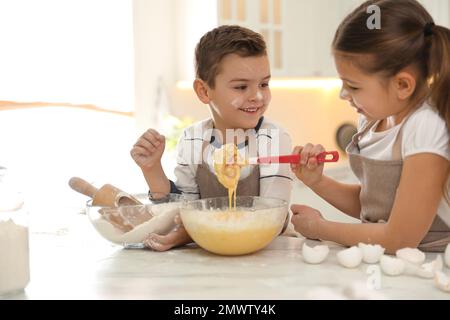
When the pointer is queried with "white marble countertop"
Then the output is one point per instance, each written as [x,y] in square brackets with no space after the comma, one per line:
[77,263]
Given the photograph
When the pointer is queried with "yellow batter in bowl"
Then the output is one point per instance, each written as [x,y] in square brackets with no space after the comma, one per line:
[251,227]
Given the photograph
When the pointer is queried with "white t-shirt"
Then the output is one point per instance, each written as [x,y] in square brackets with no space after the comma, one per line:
[271,140]
[423,132]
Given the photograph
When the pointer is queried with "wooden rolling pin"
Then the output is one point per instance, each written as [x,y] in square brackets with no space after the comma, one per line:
[107,196]
[121,209]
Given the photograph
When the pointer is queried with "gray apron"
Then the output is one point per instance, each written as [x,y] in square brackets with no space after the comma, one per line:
[379,181]
[210,187]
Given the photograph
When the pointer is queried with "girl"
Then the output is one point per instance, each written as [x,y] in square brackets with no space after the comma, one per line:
[398,79]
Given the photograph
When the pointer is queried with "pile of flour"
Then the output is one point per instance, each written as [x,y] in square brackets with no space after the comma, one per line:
[14,257]
[161,223]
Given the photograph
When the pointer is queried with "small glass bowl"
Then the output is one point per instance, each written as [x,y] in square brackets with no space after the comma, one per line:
[156,214]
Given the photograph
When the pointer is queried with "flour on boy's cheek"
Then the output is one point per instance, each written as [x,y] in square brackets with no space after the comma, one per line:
[260,97]
[237,103]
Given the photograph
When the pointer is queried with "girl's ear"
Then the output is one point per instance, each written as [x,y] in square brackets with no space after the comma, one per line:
[404,84]
[201,89]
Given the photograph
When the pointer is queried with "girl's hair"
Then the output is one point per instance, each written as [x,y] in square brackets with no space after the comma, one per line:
[407,37]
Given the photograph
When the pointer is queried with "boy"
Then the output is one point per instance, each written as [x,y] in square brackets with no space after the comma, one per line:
[232,78]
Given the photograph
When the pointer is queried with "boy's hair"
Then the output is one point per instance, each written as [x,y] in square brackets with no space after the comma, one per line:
[221,41]
[408,36]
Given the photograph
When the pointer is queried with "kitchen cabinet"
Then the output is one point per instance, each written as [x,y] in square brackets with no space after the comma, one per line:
[299,32]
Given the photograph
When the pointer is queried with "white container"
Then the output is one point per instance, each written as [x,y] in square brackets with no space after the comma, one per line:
[14,249]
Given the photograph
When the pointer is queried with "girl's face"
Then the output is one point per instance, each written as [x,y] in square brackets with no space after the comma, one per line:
[241,94]
[370,95]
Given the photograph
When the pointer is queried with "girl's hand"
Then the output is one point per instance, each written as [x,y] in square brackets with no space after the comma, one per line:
[309,171]
[148,149]
[177,237]
[306,220]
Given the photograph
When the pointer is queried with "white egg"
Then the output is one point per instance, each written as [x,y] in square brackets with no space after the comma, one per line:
[433,266]
[442,281]
[414,256]
[371,253]
[447,256]
[414,270]
[426,270]
[315,255]
[392,266]
[350,258]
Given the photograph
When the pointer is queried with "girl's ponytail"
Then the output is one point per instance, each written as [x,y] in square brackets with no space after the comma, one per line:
[439,75]
[439,69]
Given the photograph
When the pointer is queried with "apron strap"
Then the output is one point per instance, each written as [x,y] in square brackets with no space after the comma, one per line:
[397,147]
[364,130]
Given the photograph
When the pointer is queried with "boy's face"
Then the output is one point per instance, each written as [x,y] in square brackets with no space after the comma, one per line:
[241,94]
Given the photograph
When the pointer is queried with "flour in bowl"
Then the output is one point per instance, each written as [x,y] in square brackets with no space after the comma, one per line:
[161,223]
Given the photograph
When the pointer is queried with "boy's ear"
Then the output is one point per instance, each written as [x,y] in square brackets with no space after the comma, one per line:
[201,89]
[405,85]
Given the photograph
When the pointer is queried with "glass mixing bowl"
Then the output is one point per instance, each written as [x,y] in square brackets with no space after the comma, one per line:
[129,225]
[251,227]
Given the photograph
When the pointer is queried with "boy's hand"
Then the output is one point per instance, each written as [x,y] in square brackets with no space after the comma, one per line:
[148,149]
[309,171]
[177,237]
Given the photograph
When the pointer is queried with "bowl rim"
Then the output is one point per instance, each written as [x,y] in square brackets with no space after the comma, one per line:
[282,202]
[89,201]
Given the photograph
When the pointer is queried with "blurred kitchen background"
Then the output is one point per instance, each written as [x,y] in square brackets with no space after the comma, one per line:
[80,80]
